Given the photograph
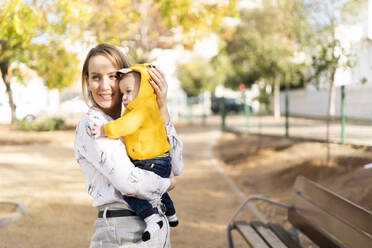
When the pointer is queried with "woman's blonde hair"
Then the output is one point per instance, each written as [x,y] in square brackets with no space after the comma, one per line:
[118,59]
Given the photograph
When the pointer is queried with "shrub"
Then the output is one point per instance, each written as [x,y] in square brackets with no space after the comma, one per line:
[45,125]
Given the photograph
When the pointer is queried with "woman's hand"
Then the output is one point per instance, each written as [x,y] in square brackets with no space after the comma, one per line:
[160,86]
[172,179]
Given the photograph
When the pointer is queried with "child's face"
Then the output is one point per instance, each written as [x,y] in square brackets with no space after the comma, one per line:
[129,87]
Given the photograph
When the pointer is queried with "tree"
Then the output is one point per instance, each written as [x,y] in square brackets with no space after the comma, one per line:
[17,29]
[262,47]
[30,34]
[142,25]
[328,53]
[39,33]
[196,76]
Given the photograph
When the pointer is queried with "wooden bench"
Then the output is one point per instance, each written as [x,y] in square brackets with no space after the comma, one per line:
[326,218]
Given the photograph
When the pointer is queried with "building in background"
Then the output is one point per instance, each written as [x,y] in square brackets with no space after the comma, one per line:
[355,38]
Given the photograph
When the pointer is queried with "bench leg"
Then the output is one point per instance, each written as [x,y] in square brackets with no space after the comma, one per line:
[229,237]
[296,233]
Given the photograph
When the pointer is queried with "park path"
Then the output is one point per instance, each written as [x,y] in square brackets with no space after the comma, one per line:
[40,171]
[204,198]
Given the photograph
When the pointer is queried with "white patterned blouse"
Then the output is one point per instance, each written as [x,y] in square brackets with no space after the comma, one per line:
[108,171]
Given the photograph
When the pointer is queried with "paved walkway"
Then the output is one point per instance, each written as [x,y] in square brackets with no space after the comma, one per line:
[205,198]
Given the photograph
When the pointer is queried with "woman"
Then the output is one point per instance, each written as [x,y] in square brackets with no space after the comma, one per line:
[108,170]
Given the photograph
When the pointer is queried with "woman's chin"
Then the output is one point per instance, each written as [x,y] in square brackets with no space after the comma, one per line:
[106,104]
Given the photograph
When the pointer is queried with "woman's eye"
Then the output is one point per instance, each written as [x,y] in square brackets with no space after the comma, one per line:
[128,91]
[113,77]
[95,77]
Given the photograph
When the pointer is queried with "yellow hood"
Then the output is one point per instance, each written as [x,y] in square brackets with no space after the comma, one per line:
[145,93]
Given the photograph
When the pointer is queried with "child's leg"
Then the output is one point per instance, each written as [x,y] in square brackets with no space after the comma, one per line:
[142,207]
[171,211]
[145,211]
[167,201]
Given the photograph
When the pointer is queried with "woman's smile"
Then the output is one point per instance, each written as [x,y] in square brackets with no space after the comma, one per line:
[106,96]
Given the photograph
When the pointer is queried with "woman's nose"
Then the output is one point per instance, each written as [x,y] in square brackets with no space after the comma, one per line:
[105,84]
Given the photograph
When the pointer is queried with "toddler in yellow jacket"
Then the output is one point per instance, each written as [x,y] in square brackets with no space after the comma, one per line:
[142,127]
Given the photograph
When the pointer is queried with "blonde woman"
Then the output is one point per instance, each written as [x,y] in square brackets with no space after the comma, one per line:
[107,168]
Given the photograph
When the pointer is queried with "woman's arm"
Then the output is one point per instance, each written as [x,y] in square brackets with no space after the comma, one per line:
[160,86]
[109,157]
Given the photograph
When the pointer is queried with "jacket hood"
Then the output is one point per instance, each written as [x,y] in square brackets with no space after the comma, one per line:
[146,92]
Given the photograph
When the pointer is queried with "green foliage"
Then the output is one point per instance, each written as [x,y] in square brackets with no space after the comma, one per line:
[58,66]
[46,125]
[38,34]
[263,45]
[264,98]
[142,25]
[196,76]
[327,51]
[29,35]
[18,25]
[196,18]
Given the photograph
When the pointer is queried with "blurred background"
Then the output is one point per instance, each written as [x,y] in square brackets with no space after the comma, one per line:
[294,58]
[290,80]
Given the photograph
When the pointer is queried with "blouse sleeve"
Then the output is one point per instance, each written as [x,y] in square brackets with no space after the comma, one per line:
[110,158]
[176,149]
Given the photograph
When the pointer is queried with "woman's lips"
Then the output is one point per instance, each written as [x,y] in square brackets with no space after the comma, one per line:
[106,97]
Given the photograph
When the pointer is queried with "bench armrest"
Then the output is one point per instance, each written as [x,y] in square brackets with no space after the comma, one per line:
[256,198]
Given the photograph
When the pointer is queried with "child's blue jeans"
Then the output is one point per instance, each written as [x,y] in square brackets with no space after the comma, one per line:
[162,167]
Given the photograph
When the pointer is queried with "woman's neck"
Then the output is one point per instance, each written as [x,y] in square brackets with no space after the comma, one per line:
[113,113]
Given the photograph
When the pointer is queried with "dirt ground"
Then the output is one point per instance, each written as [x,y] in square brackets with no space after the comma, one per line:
[39,169]
[269,165]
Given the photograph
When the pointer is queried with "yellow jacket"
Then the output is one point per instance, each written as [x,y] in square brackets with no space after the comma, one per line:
[142,124]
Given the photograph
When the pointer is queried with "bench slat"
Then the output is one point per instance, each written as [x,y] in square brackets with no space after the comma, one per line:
[283,234]
[250,235]
[315,234]
[343,208]
[312,214]
[268,235]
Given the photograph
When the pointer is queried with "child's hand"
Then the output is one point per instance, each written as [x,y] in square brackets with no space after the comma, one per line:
[98,131]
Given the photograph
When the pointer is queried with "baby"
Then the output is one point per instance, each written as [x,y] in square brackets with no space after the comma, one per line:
[145,137]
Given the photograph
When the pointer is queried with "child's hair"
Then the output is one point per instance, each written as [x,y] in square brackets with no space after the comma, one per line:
[136,74]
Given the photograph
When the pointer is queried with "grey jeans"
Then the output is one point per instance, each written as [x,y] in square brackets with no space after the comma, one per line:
[127,232]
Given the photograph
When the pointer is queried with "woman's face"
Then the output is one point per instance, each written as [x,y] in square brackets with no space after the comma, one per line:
[103,84]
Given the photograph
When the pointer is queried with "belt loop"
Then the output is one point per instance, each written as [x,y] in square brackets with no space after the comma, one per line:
[104,215]
[161,209]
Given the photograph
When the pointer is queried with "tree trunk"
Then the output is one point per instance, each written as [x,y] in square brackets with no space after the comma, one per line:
[277,97]
[4,66]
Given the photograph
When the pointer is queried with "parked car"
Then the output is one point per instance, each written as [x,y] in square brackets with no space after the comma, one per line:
[231,105]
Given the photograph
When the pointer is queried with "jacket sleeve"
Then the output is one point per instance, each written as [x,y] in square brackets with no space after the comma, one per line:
[176,149]
[125,125]
[110,158]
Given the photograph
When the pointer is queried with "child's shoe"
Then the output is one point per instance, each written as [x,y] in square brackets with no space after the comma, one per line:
[153,224]
[173,220]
